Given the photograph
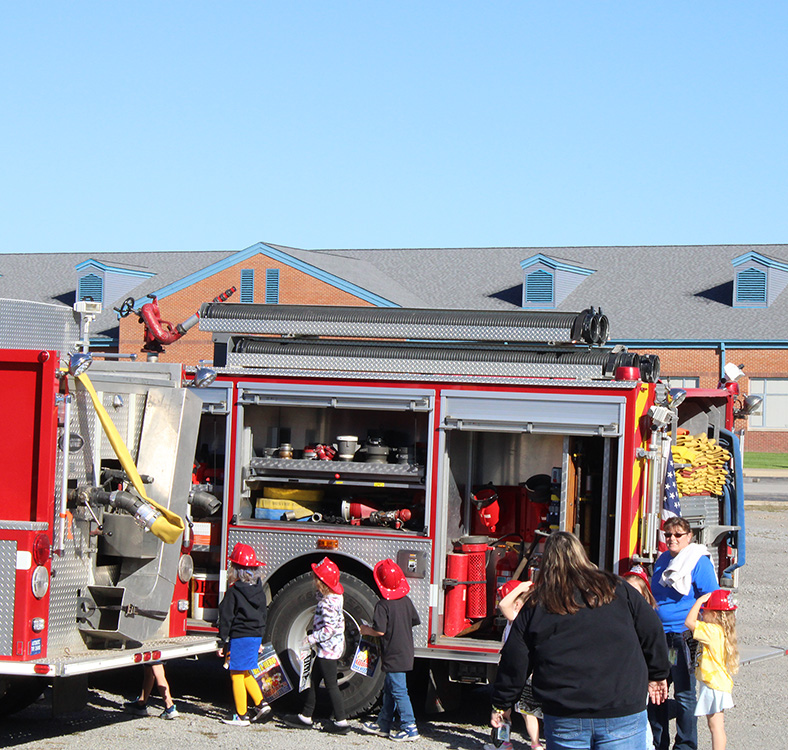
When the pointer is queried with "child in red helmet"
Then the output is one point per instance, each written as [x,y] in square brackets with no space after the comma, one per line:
[637,576]
[719,659]
[241,624]
[328,637]
[393,621]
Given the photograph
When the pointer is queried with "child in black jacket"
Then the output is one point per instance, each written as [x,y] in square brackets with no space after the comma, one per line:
[241,624]
[393,621]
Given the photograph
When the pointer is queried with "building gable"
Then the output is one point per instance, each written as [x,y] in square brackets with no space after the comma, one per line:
[272,285]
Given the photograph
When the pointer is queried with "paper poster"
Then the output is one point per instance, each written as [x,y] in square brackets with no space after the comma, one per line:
[367,656]
[270,675]
[306,656]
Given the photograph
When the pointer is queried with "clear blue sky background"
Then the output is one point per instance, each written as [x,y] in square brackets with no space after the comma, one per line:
[173,125]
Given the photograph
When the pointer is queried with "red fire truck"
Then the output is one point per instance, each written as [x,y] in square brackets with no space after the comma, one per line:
[451,442]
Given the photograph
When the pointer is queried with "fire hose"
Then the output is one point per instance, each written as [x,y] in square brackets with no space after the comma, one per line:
[168,526]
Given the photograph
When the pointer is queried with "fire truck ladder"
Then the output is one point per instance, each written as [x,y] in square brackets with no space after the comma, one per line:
[483,343]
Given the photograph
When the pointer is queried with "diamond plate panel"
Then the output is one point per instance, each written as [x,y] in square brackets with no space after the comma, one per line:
[37,325]
[276,548]
[71,574]
[7,586]
[418,367]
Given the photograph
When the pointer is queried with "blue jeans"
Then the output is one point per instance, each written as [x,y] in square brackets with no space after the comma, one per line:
[395,695]
[682,707]
[620,733]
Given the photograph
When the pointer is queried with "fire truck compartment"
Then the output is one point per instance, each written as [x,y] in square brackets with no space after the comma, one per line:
[382,480]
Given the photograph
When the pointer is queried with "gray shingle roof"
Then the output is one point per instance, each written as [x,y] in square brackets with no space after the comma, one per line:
[659,293]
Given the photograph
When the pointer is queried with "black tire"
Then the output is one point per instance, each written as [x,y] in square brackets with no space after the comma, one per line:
[289,618]
[17,693]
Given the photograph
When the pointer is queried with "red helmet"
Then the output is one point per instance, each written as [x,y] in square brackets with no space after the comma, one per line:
[640,572]
[507,588]
[721,600]
[390,579]
[328,572]
[244,555]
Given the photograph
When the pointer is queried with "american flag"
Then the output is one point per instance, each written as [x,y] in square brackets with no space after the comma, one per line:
[671,504]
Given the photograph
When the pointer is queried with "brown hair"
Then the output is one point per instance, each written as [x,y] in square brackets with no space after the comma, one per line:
[568,580]
[320,586]
[677,522]
[242,573]
[727,621]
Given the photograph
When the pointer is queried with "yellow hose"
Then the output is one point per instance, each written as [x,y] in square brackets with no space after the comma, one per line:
[168,526]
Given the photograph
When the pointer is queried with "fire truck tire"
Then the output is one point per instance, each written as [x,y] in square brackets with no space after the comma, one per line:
[18,692]
[289,619]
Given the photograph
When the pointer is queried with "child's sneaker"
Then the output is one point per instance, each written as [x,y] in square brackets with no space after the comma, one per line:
[237,721]
[374,728]
[505,745]
[136,708]
[298,721]
[408,733]
[261,712]
[169,713]
[337,727]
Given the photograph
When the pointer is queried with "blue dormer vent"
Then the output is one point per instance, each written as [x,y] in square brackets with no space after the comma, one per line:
[91,287]
[547,282]
[751,287]
[106,283]
[758,280]
[539,288]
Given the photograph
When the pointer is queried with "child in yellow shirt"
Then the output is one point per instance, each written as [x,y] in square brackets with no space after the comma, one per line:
[718,661]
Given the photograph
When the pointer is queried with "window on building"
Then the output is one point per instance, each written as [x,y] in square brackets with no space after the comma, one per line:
[750,287]
[91,287]
[773,414]
[272,286]
[247,285]
[539,287]
[679,381]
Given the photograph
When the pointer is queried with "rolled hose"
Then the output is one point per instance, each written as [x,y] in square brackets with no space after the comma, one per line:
[168,526]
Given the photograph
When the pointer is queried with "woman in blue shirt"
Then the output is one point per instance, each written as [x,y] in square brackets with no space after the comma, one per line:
[681,574]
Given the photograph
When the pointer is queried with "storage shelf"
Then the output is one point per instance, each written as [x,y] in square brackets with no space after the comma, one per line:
[334,472]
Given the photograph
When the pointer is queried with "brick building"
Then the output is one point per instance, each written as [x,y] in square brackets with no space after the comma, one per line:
[697,307]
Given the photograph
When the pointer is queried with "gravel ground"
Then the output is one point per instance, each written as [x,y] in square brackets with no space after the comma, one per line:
[202,689]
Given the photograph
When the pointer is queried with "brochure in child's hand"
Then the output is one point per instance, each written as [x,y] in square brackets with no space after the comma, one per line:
[307,657]
[270,675]
[367,656]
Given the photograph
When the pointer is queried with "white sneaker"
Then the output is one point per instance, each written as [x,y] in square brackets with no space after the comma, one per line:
[237,721]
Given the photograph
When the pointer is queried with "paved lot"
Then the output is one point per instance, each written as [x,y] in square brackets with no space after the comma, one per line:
[202,690]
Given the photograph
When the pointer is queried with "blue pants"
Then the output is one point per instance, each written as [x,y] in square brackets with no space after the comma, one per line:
[395,696]
[682,705]
[620,733]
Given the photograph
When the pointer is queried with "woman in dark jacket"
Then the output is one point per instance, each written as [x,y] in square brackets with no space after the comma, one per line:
[596,651]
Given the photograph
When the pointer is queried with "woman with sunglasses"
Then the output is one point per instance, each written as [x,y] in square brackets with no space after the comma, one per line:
[682,574]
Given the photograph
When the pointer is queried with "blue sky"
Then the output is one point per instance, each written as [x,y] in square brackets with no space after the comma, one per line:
[144,126]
